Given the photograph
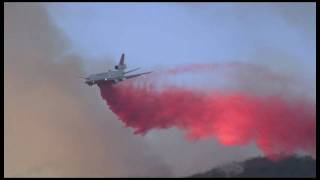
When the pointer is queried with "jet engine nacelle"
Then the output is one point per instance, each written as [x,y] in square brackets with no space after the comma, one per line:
[118,67]
[115,81]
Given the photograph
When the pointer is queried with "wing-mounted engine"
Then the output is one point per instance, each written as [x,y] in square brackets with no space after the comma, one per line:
[115,81]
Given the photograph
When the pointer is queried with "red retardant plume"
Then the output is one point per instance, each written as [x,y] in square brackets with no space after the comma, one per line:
[276,125]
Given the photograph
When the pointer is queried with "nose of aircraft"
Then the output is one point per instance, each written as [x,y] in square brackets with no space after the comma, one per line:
[90,83]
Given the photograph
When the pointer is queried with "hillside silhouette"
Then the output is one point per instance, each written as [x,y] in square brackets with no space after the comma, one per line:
[292,166]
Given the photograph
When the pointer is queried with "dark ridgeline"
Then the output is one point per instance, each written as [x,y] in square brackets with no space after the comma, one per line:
[293,166]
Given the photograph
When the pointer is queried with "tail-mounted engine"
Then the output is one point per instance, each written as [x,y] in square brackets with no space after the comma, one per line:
[122,66]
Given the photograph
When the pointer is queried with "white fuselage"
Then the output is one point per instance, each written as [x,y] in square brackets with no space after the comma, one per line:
[112,75]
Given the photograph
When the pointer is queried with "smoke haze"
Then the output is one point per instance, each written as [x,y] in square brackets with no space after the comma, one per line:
[53,123]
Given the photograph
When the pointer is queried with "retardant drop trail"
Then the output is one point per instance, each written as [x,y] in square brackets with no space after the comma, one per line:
[274,124]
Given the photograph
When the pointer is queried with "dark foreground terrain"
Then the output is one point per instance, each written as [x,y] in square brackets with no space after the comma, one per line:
[293,166]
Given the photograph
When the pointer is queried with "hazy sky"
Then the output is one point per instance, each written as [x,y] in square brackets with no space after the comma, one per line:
[56,126]
[279,35]
[167,34]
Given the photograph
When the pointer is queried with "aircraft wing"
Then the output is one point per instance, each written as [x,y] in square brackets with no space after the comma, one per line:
[136,75]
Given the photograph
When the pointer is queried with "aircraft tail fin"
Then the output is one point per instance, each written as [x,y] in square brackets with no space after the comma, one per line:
[122,59]
[121,65]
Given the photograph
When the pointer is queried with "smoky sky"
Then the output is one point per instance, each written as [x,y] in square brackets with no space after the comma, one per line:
[53,123]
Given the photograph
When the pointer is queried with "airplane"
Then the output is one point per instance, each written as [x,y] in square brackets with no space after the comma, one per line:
[113,76]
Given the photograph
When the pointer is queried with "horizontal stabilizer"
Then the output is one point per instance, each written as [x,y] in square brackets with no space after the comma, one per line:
[136,75]
[82,77]
[132,70]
